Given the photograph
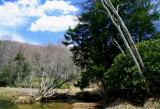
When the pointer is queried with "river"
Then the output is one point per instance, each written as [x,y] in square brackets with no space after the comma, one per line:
[6,103]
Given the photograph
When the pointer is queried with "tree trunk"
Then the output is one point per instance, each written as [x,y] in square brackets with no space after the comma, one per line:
[133,52]
[128,35]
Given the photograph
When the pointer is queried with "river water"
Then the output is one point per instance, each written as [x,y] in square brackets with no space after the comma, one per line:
[6,103]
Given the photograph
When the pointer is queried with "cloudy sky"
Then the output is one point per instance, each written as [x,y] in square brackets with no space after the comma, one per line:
[37,21]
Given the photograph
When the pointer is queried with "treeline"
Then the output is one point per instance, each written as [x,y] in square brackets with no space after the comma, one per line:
[22,62]
[98,47]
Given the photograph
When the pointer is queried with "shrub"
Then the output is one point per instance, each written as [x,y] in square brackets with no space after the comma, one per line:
[93,74]
[65,86]
[123,78]
[4,76]
[3,80]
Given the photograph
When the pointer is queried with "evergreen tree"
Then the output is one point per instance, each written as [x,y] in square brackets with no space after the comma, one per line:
[93,47]
[92,39]
[22,66]
[140,17]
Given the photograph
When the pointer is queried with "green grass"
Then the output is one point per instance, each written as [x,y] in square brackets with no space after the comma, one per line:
[2,93]
[35,84]
[65,86]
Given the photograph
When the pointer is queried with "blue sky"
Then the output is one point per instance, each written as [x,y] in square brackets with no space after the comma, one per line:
[37,21]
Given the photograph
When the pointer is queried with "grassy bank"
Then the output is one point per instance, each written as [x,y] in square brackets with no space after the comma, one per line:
[151,103]
[8,91]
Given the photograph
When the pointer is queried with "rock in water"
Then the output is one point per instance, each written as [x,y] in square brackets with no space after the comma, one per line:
[24,100]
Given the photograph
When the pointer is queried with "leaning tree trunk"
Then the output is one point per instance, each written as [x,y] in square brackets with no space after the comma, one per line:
[117,25]
[129,38]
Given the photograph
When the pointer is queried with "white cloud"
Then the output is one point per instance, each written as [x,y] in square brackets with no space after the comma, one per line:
[60,5]
[12,36]
[18,12]
[70,46]
[53,23]
[10,14]
[17,37]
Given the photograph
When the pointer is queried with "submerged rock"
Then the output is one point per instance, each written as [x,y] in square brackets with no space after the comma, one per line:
[87,106]
[24,100]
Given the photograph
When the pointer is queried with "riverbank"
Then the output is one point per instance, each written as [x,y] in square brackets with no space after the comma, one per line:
[8,91]
[151,103]
[75,93]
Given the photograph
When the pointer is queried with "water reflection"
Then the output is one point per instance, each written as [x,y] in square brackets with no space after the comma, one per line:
[5,103]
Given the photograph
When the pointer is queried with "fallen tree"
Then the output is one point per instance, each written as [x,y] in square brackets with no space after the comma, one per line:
[51,69]
[44,90]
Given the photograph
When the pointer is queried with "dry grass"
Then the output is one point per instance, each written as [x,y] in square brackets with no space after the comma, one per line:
[8,91]
[152,103]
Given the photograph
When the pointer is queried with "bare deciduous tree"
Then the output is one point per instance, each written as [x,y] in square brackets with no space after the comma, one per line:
[3,43]
[53,67]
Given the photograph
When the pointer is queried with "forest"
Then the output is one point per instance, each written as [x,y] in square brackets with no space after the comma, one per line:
[30,66]
[116,46]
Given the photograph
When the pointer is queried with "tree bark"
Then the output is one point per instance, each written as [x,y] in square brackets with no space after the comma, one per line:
[133,52]
[125,29]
